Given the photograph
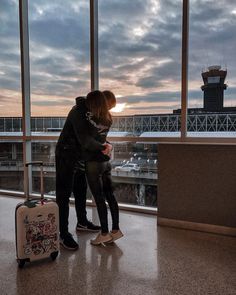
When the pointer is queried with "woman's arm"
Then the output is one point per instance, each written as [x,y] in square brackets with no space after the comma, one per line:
[82,129]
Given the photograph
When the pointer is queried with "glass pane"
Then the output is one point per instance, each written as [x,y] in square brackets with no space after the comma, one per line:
[59,55]
[2,125]
[17,125]
[47,123]
[38,124]
[10,83]
[212,70]
[9,124]
[45,152]
[11,166]
[134,173]
[140,61]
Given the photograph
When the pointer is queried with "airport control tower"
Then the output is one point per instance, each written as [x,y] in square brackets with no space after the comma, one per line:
[213,88]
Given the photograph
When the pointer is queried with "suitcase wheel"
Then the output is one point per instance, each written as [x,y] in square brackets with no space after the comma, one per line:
[21,263]
[54,255]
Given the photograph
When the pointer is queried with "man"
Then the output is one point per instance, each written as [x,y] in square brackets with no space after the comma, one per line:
[70,174]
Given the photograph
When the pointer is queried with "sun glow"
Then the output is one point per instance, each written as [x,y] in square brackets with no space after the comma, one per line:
[118,108]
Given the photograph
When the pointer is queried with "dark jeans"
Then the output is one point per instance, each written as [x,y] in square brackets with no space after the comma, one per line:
[70,176]
[100,183]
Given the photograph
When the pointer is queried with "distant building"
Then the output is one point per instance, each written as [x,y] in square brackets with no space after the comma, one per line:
[213,93]
[213,89]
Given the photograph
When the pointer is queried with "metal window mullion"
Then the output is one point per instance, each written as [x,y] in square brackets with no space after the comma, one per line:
[184,75]
[94,47]
[25,88]
[94,44]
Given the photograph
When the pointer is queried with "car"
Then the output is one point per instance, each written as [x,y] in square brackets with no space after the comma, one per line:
[52,193]
[128,167]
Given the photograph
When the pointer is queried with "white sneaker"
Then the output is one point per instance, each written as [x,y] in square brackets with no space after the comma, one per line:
[116,236]
[100,239]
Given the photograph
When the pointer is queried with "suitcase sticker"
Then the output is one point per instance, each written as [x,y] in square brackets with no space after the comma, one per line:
[41,236]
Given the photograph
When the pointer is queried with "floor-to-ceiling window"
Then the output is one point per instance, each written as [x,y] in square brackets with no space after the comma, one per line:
[140,61]
[59,55]
[59,72]
[212,69]
[11,172]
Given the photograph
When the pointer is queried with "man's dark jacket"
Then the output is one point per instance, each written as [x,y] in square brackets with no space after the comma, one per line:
[82,135]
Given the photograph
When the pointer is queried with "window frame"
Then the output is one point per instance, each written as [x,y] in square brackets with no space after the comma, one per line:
[27,136]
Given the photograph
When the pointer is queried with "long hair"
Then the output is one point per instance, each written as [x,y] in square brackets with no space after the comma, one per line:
[97,105]
[111,99]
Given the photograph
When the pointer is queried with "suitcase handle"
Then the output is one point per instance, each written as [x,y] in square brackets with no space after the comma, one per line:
[40,164]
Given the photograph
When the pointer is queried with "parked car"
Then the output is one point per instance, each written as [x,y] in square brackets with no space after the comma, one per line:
[128,167]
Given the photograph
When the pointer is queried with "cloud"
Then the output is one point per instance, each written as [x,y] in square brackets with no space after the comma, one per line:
[151,97]
[139,50]
[62,102]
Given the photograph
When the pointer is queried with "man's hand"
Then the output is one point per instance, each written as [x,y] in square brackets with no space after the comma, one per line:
[108,149]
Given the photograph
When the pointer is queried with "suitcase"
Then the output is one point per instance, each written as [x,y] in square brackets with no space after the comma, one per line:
[36,227]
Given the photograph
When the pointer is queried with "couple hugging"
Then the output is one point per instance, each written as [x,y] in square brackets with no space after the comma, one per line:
[82,157]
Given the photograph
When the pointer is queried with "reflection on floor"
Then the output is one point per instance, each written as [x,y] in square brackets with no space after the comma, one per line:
[146,261]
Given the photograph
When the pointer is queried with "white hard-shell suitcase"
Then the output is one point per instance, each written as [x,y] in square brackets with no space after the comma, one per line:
[37,227]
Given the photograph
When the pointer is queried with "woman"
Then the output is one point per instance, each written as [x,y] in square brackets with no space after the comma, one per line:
[98,167]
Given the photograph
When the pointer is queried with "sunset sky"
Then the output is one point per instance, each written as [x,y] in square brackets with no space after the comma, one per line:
[139,53]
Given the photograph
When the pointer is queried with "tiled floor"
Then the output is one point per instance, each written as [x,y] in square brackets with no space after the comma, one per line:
[148,260]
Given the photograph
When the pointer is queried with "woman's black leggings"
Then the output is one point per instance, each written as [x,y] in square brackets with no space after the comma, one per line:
[100,183]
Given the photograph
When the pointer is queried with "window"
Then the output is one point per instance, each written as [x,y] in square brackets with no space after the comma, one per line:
[11,166]
[59,55]
[140,55]
[212,74]
[134,173]
[11,169]
[139,60]
[10,87]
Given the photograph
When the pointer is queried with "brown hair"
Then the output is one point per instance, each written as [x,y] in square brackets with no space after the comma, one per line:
[97,105]
[111,99]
